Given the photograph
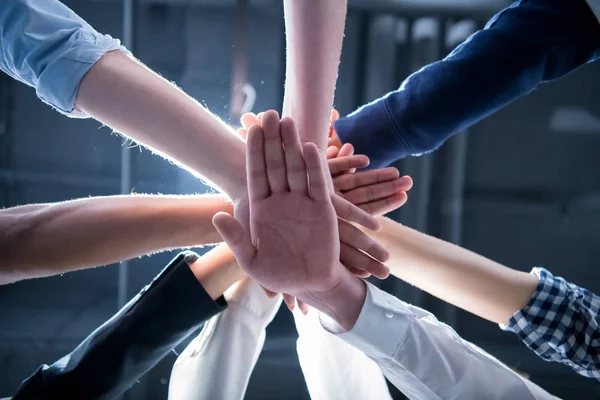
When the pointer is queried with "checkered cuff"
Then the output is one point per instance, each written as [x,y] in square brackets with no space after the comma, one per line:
[561,324]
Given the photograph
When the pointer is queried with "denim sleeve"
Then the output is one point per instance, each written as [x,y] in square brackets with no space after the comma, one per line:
[530,42]
[47,46]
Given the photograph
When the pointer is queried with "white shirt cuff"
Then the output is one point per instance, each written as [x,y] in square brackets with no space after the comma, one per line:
[249,301]
[381,327]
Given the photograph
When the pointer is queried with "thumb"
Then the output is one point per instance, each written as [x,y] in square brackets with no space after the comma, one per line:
[236,238]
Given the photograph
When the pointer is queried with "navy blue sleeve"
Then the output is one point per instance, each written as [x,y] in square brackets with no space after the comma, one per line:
[530,42]
[111,359]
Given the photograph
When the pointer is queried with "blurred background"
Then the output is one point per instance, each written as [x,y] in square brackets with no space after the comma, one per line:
[523,188]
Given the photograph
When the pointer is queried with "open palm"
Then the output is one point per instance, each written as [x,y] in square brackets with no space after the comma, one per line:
[293,244]
[294,233]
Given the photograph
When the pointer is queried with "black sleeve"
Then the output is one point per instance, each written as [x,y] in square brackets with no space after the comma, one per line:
[110,360]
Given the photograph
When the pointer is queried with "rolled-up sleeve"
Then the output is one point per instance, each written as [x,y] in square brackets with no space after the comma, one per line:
[561,323]
[47,46]
[426,359]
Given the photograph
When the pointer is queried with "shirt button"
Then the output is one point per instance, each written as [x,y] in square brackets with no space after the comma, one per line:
[389,315]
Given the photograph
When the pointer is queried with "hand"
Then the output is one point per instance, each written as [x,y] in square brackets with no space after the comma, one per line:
[293,242]
[376,191]
[360,253]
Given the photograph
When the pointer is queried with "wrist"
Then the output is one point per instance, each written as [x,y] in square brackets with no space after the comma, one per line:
[343,302]
[217,270]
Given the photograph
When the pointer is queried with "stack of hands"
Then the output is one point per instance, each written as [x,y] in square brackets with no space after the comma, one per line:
[295,235]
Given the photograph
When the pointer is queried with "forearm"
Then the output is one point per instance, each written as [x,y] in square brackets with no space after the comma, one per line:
[217,365]
[133,100]
[56,238]
[314,33]
[454,274]
[423,357]
[526,44]
[83,73]
[217,271]
[321,354]
[343,303]
[46,45]
[113,357]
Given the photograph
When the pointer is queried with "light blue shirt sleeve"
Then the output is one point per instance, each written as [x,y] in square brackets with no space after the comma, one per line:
[47,46]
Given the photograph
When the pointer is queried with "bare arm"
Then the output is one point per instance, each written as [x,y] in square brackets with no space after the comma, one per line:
[314,34]
[50,239]
[454,274]
[135,101]
[217,270]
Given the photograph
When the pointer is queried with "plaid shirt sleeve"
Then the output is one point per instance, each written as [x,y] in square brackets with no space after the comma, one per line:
[561,324]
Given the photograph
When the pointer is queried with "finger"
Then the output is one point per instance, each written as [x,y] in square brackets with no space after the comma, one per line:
[359,272]
[384,206]
[289,301]
[332,152]
[259,118]
[294,160]
[352,213]
[334,141]
[248,119]
[242,132]
[364,178]
[302,306]
[319,189]
[354,237]
[357,259]
[258,183]
[335,115]
[274,158]
[342,164]
[346,150]
[377,191]
[236,238]
[270,294]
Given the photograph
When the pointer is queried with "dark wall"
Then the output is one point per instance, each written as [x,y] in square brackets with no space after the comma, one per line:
[531,196]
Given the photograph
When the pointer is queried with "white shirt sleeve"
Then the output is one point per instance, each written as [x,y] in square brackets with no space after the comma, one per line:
[333,369]
[218,363]
[426,359]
